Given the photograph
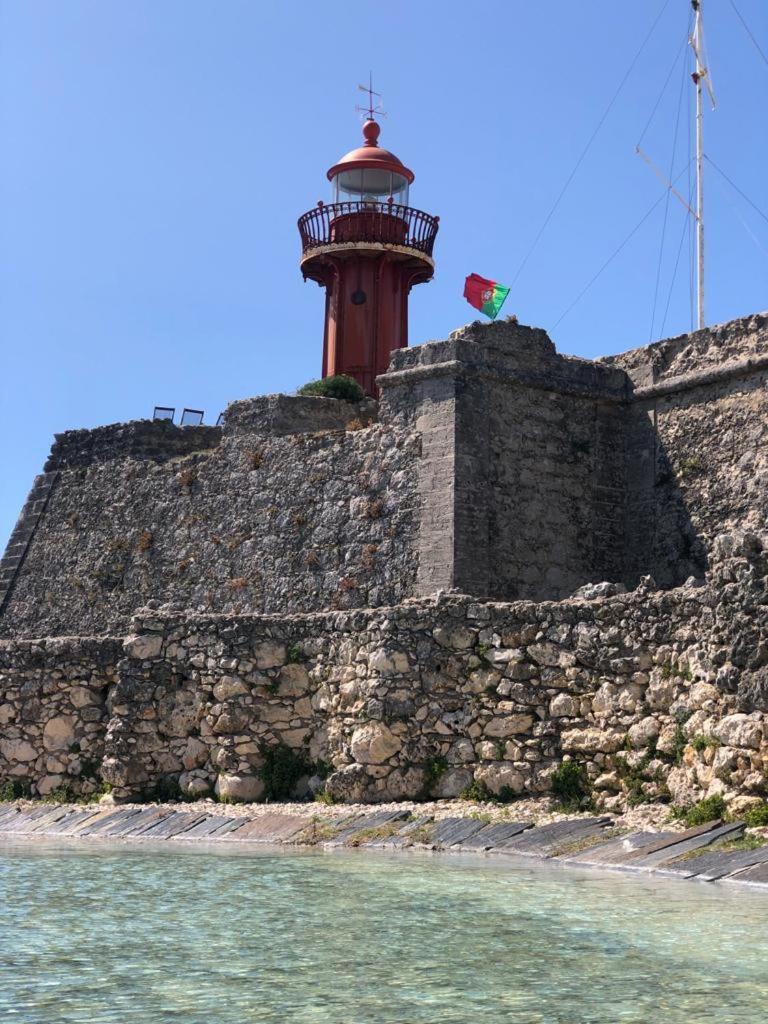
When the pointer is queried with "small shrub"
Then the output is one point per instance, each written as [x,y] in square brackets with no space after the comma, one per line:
[63,794]
[295,654]
[347,583]
[165,789]
[187,478]
[324,798]
[477,791]
[144,543]
[701,742]
[255,459]
[691,466]
[340,386]
[569,784]
[238,583]
[756,817]
[282,769]
[312,559]
[299,519]
[355,424]
[679,739]
[434,769]
[702,812]
[14,789]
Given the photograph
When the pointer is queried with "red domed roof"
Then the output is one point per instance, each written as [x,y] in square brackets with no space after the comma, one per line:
[371,155]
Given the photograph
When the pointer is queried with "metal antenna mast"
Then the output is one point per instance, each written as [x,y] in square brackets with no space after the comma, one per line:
[700,78]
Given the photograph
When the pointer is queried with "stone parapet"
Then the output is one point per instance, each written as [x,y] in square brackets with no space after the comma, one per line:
[154,440]
[708,349]
[278,415]
[508,350]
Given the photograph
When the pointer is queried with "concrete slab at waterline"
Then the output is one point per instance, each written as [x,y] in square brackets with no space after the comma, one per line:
[672,854]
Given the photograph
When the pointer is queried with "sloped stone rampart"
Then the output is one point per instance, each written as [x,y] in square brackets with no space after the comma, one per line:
[660,695]
[497,467]
[292,522]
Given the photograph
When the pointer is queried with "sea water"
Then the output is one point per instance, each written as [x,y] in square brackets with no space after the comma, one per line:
[100,933]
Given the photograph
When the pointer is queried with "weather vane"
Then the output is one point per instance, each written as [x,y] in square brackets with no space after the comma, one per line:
[374,106]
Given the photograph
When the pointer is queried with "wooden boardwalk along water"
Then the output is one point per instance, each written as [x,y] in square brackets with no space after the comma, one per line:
[690,854]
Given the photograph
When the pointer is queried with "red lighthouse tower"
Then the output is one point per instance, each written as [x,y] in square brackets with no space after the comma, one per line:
[367,248]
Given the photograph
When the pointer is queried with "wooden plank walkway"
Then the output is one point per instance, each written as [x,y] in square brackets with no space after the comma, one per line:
[581,842]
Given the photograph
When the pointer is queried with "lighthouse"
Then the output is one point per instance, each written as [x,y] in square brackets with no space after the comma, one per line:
[367,248]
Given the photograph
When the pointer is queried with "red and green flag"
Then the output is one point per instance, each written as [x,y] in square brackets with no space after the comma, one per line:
[487,296]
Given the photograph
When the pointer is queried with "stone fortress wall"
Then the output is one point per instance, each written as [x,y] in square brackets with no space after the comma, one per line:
[320,532]
[657,694]
[289,507]
[496,467]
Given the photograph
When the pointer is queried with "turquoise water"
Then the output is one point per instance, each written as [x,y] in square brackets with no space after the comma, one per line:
[121,934]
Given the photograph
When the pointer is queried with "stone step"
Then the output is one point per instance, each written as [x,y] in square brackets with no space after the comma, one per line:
[613,851]
[137,824]
[404,836]
[101,825]
[662,857]
[491,835]
[207,827]
[545,840]
[757,875]
[266,828]
[711,865]
[54,815]
[671,840]
[66,825]
[449,831]
[174,824]
[363,824]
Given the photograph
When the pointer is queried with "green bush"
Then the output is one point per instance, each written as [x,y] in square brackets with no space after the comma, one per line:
[295,654]
[282,769]
[702,812]
[477,791]
[756,817]
[14,789]
[480,793]
[701,741]
[569,784]
[434,769]
[341,386]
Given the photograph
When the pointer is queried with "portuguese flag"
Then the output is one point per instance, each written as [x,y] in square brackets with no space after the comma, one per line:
[487,296]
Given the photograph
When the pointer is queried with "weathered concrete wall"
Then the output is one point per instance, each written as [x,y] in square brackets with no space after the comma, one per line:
[290,520]
[660,695]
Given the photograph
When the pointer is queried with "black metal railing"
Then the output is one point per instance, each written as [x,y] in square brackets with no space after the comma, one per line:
[383,223]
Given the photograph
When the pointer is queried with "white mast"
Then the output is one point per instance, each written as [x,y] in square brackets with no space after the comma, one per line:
[700,77]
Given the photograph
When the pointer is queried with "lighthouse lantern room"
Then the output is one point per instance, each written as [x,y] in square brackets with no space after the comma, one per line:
[367,248]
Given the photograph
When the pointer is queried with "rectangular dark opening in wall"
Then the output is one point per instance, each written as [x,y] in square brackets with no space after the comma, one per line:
[192,417]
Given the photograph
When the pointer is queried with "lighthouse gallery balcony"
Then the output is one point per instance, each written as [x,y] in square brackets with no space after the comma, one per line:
[338,226]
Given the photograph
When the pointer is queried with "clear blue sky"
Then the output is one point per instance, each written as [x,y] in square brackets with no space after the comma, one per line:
[155,157]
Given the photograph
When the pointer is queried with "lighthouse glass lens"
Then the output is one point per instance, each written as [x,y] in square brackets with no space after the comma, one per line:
[370,185]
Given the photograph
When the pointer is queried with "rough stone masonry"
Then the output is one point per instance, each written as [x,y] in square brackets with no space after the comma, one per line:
[389,592]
